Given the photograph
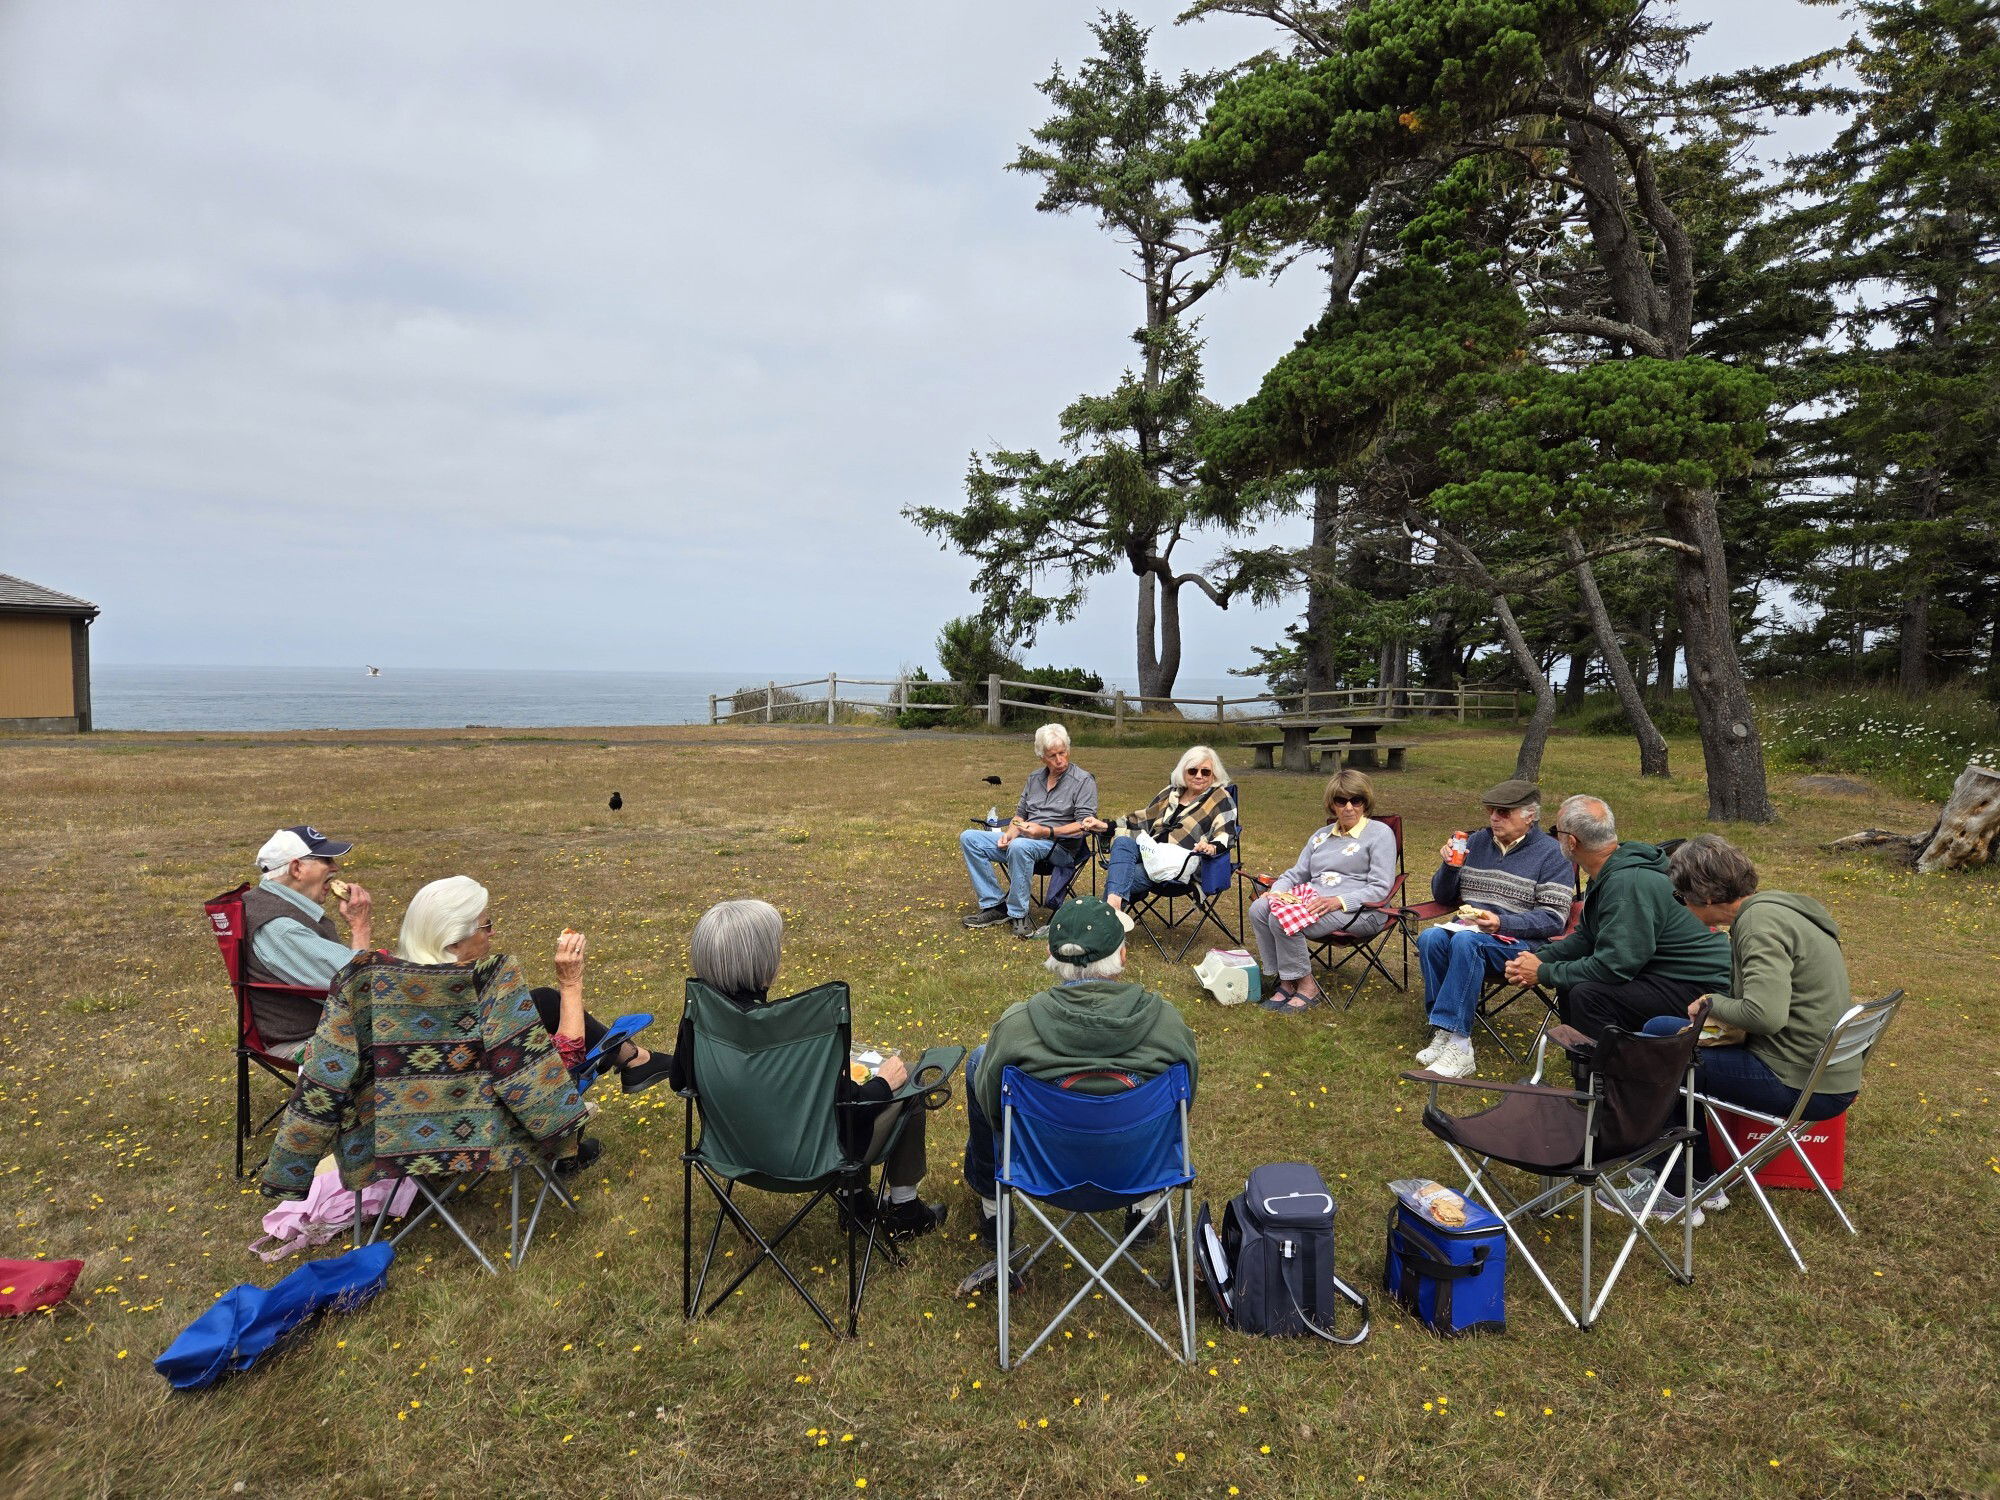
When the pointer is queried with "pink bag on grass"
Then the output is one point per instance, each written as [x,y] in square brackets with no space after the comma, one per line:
[327,1212]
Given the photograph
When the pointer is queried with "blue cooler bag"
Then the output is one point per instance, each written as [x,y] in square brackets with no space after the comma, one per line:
[1452,1278]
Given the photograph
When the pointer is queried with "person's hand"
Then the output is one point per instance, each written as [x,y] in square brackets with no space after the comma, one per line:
[893,1072]
[1444,852]
[1487,922]
[1524,970]
[569,960]
[1204,847]
[358,910]
[1322,905]
[1006,835]
[1696,1004]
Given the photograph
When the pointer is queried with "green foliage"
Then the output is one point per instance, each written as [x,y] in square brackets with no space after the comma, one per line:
[1602,714]
[1917,749]
[787,706]
[1586,447]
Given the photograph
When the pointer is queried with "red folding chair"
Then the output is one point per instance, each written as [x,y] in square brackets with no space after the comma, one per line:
[225,924]
[1373,949]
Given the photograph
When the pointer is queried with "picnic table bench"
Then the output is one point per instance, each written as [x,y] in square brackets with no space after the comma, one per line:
[1305,740]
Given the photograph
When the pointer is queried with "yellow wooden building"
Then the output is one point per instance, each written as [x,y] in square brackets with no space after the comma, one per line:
[44,659]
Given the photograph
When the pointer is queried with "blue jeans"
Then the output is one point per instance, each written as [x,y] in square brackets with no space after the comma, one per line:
[981,848]
[1736,1075]
[1455,966]
[1126,877]
[982,1152]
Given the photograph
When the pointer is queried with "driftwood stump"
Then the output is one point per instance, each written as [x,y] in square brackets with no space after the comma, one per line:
[1968,825]
[1963,835]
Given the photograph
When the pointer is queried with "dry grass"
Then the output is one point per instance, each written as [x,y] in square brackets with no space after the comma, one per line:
[1872,1375]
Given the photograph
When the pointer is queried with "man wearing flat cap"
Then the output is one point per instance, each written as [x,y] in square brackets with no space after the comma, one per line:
[1513,893]
[290,939]
[1092,1021]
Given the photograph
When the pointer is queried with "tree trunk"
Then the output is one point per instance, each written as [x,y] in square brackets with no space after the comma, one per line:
[1535,738]
[1732,753]
[1148,653]
[1652,745]
[1668,653]
[1321,582]
[1167,669]
[1968,826]
[1574,682]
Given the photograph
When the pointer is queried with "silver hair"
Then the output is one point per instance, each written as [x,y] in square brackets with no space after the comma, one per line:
[441,916]
[737,945]
[1049,736]
[1108,967]
[1194,755]
[1588,820]
[1708,870]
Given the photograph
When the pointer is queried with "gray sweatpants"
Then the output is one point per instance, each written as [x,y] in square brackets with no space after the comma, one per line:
[1284,955]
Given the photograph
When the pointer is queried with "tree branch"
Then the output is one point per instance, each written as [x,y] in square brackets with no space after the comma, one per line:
[1590,325]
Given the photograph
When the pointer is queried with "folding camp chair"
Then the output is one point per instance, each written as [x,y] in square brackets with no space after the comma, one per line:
[225,925]
[1202,900]
[764,1085]
[1573,1139]
[1086,1154]
[1056,872]
[1853,1035]
[599,1059]
[1497,993]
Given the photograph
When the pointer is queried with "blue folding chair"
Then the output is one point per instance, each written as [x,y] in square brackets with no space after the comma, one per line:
[1086,1154]
[616,1035]
[1202,898]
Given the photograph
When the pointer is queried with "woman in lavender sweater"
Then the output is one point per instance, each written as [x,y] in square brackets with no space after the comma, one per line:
[1347,865]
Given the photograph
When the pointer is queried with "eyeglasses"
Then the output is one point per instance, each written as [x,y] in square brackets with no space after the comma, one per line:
[486,926]
[1559,831]
[1680,898]
[1348,801]
[1198,771]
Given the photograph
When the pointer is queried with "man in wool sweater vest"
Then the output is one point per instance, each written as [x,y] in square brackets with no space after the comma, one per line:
[1513,890]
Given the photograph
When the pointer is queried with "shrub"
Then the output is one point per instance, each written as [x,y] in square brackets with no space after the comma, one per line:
[1916,747]
[787,707]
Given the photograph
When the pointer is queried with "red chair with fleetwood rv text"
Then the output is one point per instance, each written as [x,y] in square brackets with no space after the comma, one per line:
[225,925]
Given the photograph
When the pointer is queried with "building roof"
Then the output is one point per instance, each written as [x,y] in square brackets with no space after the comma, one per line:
[17,595]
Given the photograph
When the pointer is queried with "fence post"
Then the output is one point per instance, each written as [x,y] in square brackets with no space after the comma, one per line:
[711,709]
[1220,716]
[1461,703]
[1118,712]
[992,700]
[770,698]
[832,686]
[902,691]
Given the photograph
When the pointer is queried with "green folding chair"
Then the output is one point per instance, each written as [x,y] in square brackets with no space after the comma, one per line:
[764,1082]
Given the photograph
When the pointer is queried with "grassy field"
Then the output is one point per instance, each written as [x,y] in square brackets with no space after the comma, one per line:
[1872,1375]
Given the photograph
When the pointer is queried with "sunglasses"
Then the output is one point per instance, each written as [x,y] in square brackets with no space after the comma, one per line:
[1198,771]
[1350,801]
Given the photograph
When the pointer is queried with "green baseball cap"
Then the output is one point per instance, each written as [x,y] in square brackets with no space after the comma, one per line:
[1085,929]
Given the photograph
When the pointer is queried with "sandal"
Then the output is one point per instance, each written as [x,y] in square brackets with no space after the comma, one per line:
[1279,998]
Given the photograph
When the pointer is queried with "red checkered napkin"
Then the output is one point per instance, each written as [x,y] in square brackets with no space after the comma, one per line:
[1292,912]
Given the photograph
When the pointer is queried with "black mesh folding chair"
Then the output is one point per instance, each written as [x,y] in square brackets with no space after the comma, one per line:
[1631,1108]
[1190,906]
[1498,994]
[1854,1035]
[764,1089]
[1056,872]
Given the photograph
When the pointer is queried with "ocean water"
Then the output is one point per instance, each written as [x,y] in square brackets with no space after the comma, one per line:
[224,698]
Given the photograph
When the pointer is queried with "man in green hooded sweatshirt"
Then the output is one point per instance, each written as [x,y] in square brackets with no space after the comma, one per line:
[1092,1021]
[1637,953]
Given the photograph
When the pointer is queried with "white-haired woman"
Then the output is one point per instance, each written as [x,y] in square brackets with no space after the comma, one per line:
[1059,801]
[1194,813]
[450,922]
[736,950]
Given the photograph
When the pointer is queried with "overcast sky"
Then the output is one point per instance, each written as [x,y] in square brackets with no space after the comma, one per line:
[496,333]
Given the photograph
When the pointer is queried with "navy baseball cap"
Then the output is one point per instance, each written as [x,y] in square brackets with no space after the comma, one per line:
[300,842]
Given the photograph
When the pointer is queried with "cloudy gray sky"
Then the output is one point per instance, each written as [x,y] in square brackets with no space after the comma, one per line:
[592,334]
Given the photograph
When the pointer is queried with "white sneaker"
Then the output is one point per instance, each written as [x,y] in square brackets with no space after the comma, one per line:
[1439,1036]
[1666,1206]
[1713,1203]
[1454,1059]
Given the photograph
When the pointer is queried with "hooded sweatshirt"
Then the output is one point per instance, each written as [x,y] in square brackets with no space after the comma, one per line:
[1110,1024]
[1631,926]
[1787,987]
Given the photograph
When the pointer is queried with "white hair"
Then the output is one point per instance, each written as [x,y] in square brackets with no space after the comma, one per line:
[1588,820]
[1049,736]
[1194,756]
[1108,967]
[442,915]
[736,946]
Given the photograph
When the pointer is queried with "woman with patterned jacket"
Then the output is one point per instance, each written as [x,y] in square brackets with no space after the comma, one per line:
[1194,811]
[1344,868]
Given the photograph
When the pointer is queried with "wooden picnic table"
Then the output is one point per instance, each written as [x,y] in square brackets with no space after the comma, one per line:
[1299,742]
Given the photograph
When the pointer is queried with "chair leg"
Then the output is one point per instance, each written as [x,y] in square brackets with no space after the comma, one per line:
[242,1105]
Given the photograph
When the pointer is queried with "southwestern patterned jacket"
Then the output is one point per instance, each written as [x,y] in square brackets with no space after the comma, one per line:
[422,1069]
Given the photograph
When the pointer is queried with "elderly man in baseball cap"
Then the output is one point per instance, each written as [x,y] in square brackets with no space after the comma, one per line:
[1512,889]
[1091,1021]
[291,939]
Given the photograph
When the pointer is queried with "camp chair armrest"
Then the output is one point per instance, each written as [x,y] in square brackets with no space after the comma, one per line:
[1486,1086]
[931,1077]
